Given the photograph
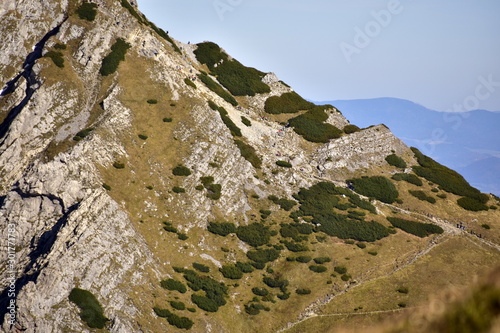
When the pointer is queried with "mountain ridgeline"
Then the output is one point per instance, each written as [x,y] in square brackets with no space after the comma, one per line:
[147,185]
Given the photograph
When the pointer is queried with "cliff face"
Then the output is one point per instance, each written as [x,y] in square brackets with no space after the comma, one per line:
[72,229]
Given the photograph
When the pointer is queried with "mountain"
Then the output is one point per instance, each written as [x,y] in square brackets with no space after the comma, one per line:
[467,142]
[147,185]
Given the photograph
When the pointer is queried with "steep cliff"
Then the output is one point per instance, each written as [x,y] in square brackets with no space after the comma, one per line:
[90,200]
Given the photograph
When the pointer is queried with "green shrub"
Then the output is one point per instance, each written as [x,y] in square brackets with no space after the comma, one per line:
[152,101]
[231,272]
[119,165]
[318,268]
[204,303]
[200,267]
[249,153]
[402,305]
[255,308]
[311,126]
[258,265]
[91,311]
[82,134]
[178,305]
[180,322]
[167,120]
[57,58]
[373,253]
[263,255]
[264,213]
[396,161]
[303,291]
[167,226]
[182,236]
[222,229]
[471,204]
[255,234]
[245,267]
[296,247]
[289,102]
[486,226]
[415,228]
[361,245]
[59,46]
[421,195]
[260,291]
[214,191]
[87,11]
[181,170]
[177,189]
[171,284]
[276,282]
[403,290]
[318,201]
[238,79]
[132,11]
[143,137]
[284,296]
[207,180]
[349,129]
[235,130]
[106,187]
[408,177]
[246,121]
[340,269]
[378,187]
[345,277]
[284,164]
[216,88]
[447,179]
[191,309]
[285,204]
[322,260]
[190,83]
[112,60]
[214,290]
[344,228]
[303,259]
[163,313]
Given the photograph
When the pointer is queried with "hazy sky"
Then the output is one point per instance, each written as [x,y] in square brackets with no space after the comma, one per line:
[438,53]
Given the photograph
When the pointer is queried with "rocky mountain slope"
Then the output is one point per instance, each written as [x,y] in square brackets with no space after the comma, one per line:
[132,166]
[467,142]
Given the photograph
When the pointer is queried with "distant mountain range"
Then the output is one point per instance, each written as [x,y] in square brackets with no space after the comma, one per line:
[467,142]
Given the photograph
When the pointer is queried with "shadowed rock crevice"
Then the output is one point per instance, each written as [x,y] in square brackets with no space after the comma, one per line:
[32,83]
[40,249]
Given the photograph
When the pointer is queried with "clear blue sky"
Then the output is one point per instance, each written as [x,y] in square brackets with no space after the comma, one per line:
[432,52]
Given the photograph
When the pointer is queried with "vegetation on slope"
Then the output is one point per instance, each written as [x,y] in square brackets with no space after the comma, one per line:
[289,102]
[378,187]
[312,127]
[112,60]
[91,311]
[415,228]
[87,11]
[238,79]
[450,181]
[319,200]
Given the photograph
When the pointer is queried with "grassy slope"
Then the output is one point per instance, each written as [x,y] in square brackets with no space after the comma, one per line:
[151,162]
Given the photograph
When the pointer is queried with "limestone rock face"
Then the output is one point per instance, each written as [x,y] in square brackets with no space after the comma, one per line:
[70,231]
